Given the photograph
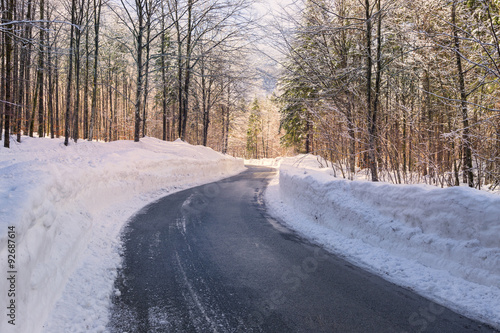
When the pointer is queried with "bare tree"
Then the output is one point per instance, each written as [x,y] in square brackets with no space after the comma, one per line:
[8,8]
[70,74]
[469,176]
[97,22]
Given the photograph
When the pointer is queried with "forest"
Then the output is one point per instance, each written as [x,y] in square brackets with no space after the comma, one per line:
[113,70]
[402,91]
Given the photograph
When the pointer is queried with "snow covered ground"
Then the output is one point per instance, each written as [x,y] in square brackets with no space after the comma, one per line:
[67,206]
[442,243]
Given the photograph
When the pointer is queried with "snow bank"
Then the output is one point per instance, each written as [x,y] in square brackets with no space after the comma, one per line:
[450,234]
[68,204]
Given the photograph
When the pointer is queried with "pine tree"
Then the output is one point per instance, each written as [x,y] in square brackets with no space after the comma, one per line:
[254,130]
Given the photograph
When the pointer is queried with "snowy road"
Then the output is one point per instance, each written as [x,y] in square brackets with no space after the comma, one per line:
[209,259]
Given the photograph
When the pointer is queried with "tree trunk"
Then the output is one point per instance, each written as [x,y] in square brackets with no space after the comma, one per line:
[14,79]
[51,83]
[146,79]
[166,129]
[20,85]
[76,112]
[8,71]
[179,81]
[226,122]
[352,136]
[467,151]
[371,112]
[205,102]
[140,65]
[308,129]
[97,20]
[86,87]
[187,74]
[27,76]
[70,75]
[58,129]
[40,72]
[3,85]
[51,101]
[376,102]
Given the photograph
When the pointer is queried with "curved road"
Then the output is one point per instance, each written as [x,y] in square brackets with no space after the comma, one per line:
[209,259]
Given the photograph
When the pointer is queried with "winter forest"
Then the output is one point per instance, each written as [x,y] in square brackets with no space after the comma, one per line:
[401,91]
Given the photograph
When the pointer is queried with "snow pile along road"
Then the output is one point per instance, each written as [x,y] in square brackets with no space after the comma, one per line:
[67,206]
[441,242]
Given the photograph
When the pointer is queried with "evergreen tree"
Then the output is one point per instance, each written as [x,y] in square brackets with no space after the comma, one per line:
[254,130]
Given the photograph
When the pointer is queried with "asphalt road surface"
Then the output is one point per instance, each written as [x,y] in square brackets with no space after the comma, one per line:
[210,259]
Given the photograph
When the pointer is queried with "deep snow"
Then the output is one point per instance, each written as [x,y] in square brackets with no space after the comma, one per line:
[442,243]
[68,205]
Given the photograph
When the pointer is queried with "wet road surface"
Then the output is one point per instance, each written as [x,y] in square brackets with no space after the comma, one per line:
[210,259]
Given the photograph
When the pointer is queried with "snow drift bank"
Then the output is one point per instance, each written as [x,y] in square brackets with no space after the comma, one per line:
[442,242]
[68,204]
